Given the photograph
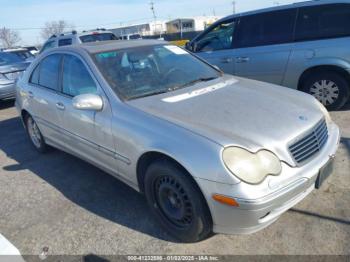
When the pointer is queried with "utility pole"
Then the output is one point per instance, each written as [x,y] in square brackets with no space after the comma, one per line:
[154,16]
[233,7]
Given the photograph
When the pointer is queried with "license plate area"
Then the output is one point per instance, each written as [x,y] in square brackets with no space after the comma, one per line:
[324,173]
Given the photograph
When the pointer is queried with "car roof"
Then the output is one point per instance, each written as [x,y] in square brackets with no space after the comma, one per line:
[103,46]
[288,6]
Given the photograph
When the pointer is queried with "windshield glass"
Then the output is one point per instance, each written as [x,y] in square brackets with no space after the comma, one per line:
[8,58]
[149,70]
[97,37]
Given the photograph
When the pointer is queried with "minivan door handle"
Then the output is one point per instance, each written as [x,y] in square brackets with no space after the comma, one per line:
[242,59]
[60,106]
[30,94]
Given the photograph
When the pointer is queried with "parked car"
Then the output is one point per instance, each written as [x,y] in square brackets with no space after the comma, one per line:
[32,49]
[12,66]
[211,152]
[22,53]
[77,38]
[130,37]
[304,46]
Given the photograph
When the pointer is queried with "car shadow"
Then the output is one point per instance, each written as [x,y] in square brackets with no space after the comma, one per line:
[4,104]
[80,182]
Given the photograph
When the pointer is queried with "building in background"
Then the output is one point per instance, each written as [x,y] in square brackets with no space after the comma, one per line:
[181,25]
[147,29]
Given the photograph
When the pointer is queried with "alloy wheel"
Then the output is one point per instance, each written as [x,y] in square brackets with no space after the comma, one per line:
[326,91]
[34,132]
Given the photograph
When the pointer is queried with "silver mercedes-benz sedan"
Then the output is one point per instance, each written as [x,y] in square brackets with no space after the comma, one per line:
[211,152]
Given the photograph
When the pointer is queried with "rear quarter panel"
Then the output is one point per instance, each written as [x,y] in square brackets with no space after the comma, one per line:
[309,54]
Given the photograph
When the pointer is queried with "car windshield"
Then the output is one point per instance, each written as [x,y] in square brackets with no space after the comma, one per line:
[148,70]
[97,37]
[9,58]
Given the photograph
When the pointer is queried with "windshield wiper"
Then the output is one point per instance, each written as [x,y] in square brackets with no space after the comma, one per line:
[203,79]
[150,94]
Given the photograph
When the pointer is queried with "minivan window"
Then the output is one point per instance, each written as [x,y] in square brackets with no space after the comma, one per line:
[266,28]
[49,72]
[47,46]
[325,21]
[97,37]
[64,42]
[218,38]
[76,79]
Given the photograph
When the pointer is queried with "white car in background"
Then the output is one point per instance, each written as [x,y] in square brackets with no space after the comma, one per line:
[74,37]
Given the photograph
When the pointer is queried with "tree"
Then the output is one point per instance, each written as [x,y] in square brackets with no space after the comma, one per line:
[9,37]
[54,28]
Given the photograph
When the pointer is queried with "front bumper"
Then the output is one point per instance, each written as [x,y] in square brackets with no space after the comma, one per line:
[268,200]
[7,91]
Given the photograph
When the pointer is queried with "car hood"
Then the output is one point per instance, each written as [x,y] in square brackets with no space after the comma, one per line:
[238,112]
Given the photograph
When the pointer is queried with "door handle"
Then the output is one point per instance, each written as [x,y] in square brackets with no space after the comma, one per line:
[30,94]
[242,59]
[226,60]
[60,106]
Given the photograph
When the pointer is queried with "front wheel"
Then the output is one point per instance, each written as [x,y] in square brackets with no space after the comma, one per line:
[35,135]
[177,202]
[330,88]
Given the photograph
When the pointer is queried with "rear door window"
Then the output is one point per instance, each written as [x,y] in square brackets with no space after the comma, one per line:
[34,79]
[64,42]
[97,37]
[325,21]
[266,28]
[49,72]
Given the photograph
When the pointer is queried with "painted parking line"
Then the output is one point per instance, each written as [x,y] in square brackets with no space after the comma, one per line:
[8,252]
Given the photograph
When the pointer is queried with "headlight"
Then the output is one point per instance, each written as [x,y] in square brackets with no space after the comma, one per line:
[252,168]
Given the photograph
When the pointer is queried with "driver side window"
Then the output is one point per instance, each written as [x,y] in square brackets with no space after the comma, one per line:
[76,80]
[218,38]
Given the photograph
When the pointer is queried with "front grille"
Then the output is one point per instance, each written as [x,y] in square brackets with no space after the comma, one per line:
[310,144]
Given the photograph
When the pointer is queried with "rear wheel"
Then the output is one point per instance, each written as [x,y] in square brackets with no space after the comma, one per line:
[330,88]
[35,135]
[177,202]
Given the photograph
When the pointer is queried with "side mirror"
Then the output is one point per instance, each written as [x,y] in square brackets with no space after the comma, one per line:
[88,102]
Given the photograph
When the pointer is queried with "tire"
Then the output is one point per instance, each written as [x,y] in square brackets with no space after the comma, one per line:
[330,88]
[34,134]
[177,202]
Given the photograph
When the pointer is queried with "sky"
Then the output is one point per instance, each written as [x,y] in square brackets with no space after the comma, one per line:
[28,16]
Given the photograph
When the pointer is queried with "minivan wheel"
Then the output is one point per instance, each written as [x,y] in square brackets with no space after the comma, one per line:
[330,88]
[177,202]
[35,135]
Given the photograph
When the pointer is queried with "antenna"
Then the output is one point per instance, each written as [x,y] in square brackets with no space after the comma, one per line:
[276,3]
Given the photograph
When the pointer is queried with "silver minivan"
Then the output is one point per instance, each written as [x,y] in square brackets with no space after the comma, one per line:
[304,46]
